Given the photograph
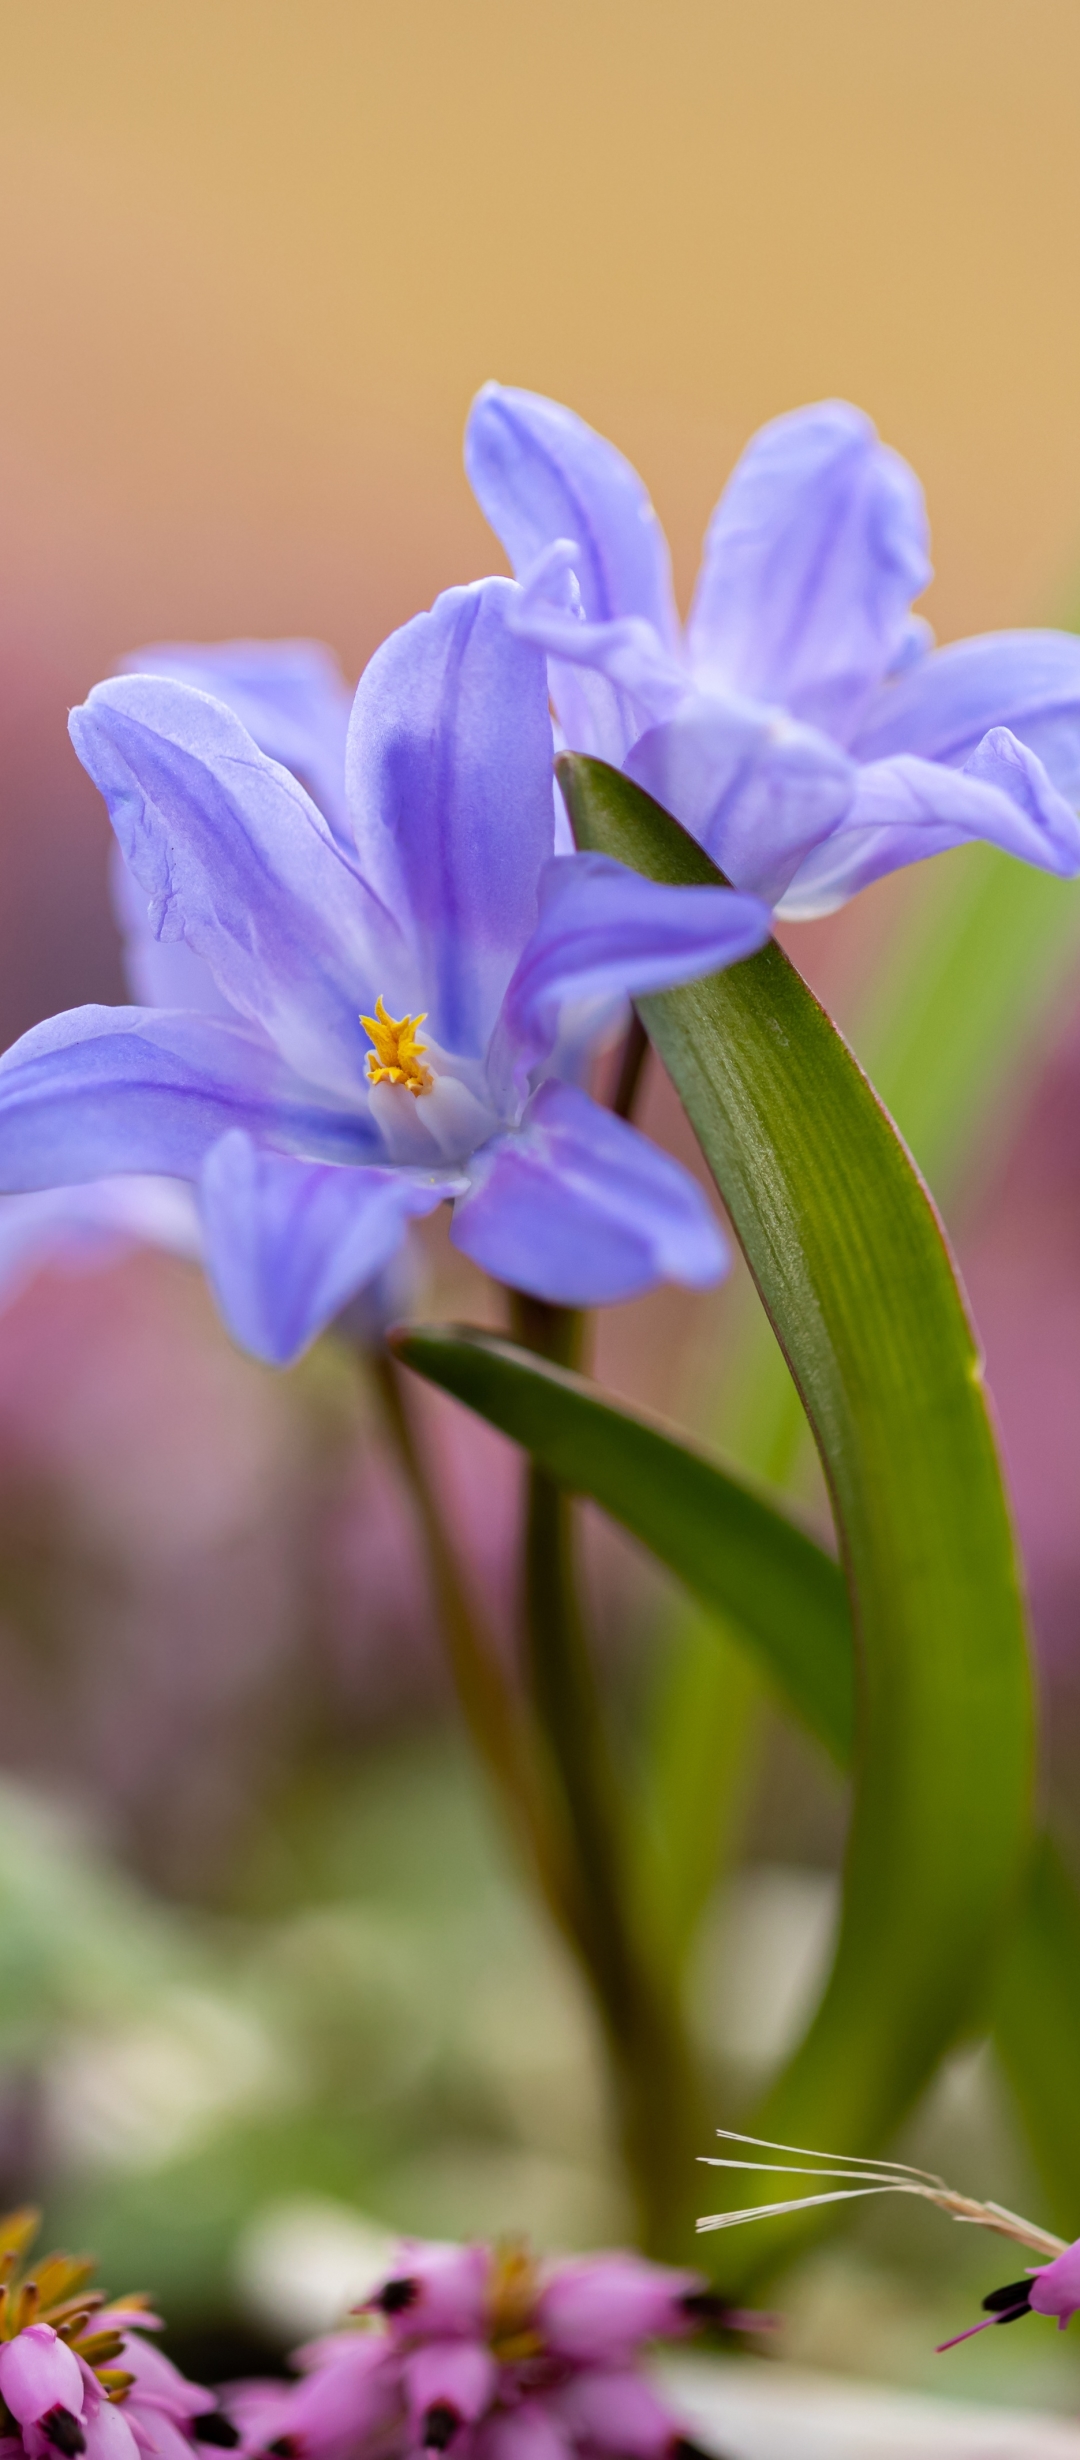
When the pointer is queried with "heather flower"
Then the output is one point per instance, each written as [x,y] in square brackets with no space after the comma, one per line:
[802,726]
[483,2349]
[400,1023]
[76,2373]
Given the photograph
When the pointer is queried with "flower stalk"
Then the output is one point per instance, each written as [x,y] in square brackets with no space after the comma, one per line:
[656,2089]
[492,1717]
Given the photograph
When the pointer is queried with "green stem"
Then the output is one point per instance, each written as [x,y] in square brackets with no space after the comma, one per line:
[635,1052]
[494,1721]
[657,2095]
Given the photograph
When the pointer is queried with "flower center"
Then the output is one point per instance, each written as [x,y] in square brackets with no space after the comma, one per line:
[396,1058]
[512,2291]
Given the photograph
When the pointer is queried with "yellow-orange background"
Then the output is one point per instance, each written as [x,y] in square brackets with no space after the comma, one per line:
[258,254]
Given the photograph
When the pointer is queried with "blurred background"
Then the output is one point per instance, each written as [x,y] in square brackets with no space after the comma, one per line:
[267,1984]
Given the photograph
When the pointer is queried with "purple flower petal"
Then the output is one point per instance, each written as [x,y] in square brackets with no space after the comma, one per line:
[236,860]
[578,1209]
[608,680]
[289,1243]
[606,933]
[290,695]
[756,789]
[813,556]
[542,476]
[1028,681]
[449,772]
[158,973]
[106,1090]
[904,809]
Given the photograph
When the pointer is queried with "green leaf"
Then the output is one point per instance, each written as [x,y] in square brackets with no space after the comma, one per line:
[947,1034]
[736,1553]
[851,1263]
[1037,2026]
[977,953]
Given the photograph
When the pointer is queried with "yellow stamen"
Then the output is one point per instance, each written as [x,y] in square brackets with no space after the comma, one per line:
[396,1058]
[513,2287]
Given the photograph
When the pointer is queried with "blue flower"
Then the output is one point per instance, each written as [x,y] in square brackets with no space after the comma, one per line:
[803,726]
[295,703]
[484,966]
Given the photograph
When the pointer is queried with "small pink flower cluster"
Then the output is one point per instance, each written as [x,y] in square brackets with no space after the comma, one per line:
[76,2375]
[138,2408]
[487,2354]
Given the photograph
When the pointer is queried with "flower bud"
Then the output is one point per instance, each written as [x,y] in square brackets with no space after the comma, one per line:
[602,2306]
[435,2288]
[449,2384]
[38,2372]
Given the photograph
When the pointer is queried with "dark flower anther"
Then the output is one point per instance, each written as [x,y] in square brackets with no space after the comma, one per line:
[703,2306]
[286,2447]
[215,2427]
[64,2432]
[395,2296]
[441,2424]
[1009,2303]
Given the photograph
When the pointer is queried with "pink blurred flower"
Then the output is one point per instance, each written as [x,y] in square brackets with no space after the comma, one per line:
[131,2403]
[598,2307]
[482,2351]
[77,2377]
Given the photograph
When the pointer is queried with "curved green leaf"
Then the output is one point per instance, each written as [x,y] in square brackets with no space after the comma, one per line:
[732,1548]
[948,1033]
[852,1266]
[1037,2026]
